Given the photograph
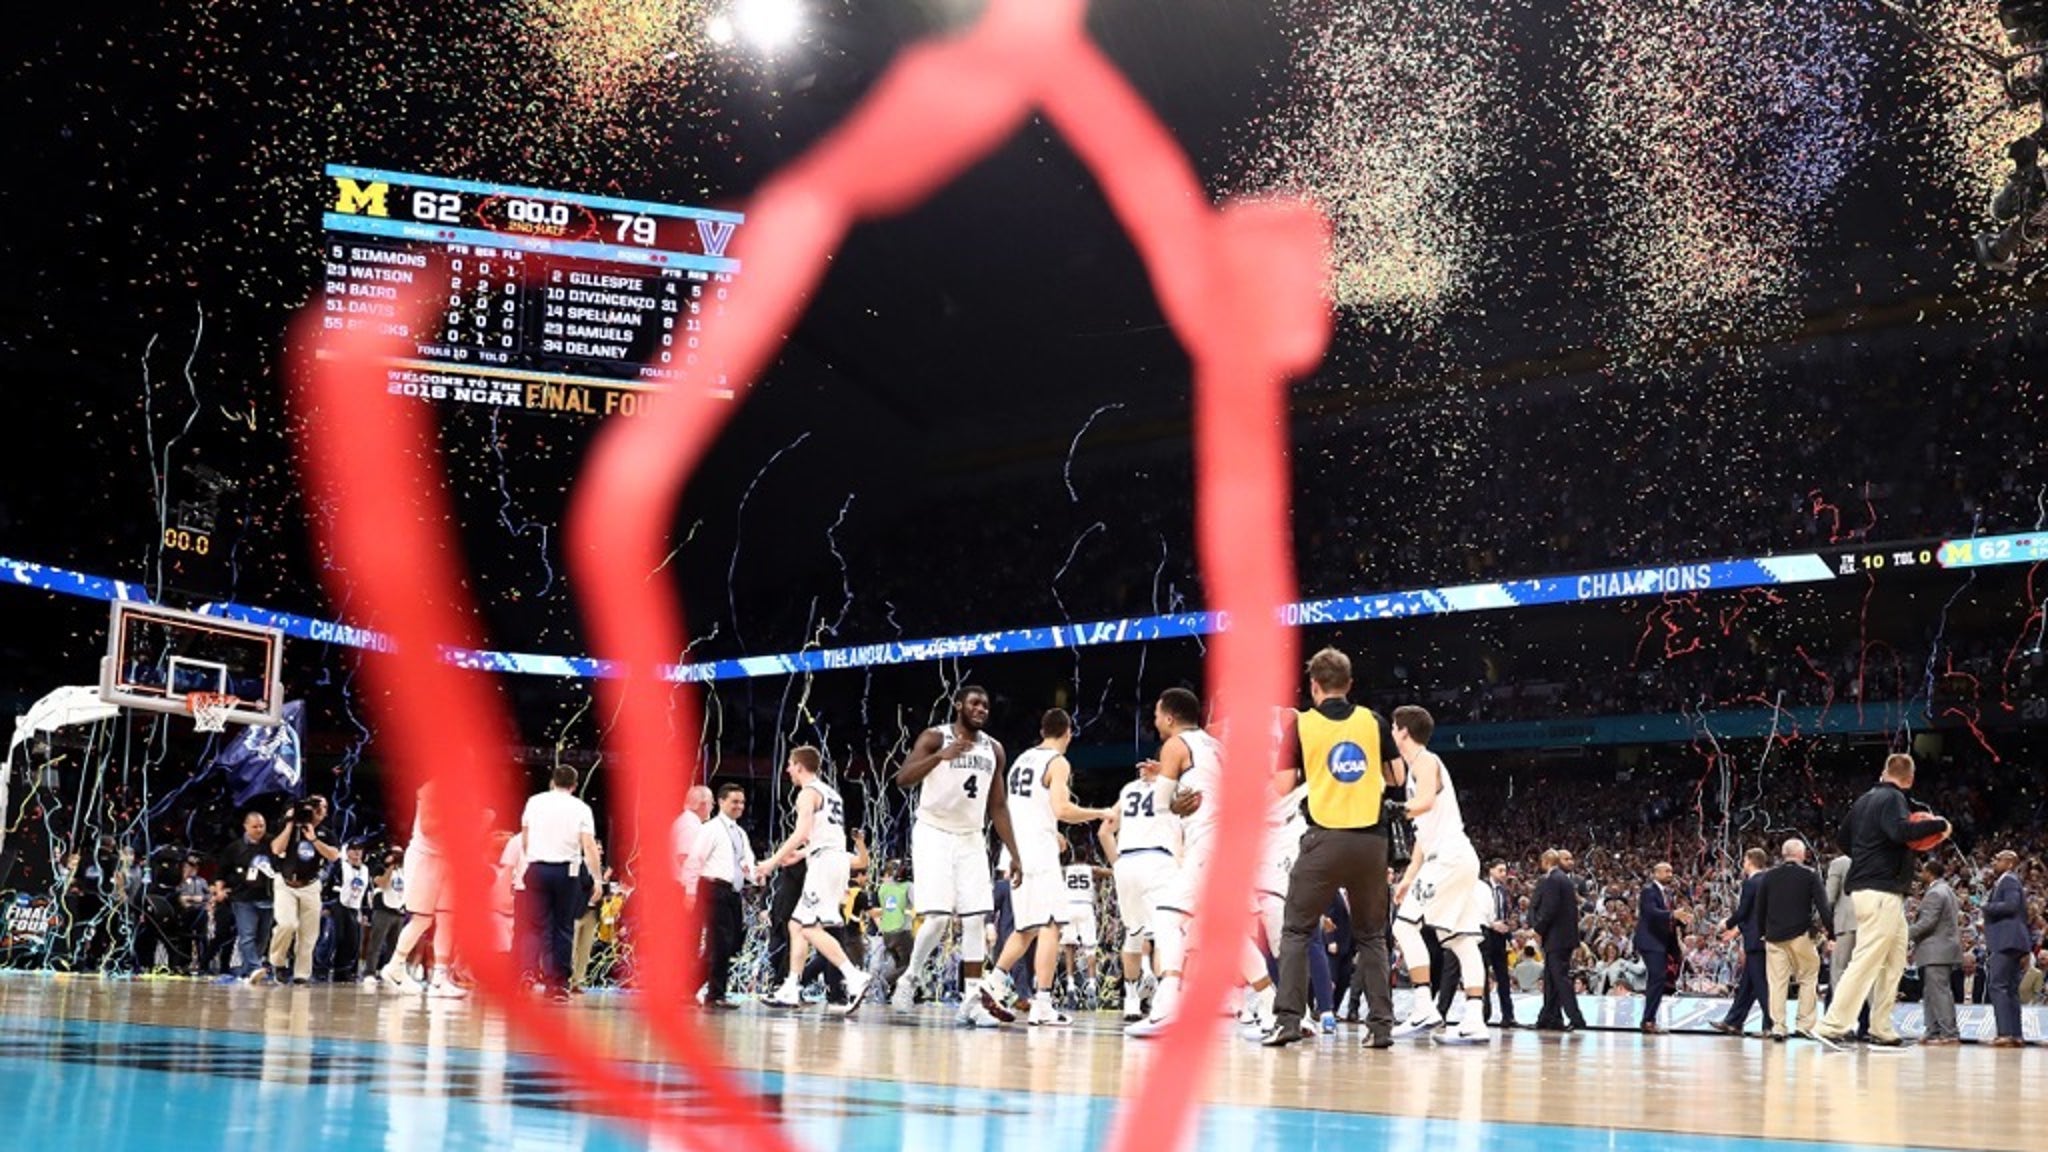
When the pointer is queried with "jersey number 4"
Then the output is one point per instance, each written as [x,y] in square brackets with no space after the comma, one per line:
[971,786]
[1138,802]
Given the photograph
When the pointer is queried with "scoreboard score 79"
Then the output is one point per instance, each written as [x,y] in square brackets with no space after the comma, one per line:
[557,301]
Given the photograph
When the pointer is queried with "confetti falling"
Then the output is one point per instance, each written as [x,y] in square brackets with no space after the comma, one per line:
[1390,129]
[1722,128]
[1964,116]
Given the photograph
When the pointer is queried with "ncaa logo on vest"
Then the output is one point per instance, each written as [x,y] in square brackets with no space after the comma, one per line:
[1347,762]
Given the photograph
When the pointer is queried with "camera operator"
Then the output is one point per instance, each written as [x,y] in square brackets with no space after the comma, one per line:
[299,857]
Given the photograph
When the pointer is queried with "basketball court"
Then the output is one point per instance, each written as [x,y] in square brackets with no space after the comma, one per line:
[175,1064]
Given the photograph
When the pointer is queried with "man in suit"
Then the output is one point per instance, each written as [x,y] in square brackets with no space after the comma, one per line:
[1752,990]
[1656,939]
[1493,939]
[1937,941]
[1554,914]
[2007,942]
[1791,905]
[1844,916]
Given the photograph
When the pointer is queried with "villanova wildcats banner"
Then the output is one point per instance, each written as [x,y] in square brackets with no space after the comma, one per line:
[265,759]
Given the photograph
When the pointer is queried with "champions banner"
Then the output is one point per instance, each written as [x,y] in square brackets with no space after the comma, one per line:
[1577,588]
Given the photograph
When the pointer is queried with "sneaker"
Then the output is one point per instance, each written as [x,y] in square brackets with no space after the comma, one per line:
[396,978]
[1419,1026]
[974,1013]
[259,976]
[904,998]
[785,996]
[856,991]
[1832,1041]
[1309,1027]
[996,984]
[991,1005]
[1042,1012]
[1134,1011]
[1329,1023]
[1470,1030]
[1280,1037]
[447,990]
[1148,1028]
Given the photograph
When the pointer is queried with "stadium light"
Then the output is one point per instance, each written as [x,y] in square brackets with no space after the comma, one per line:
[767,24]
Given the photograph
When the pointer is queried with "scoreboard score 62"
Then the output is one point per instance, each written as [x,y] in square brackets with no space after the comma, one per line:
[559,301]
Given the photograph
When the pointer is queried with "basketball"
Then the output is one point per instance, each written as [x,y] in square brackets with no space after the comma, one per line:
[1924,843]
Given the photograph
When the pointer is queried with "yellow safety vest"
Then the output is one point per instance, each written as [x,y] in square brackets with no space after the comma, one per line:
[1341,760]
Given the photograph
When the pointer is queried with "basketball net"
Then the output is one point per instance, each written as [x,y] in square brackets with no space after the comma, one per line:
[209,710]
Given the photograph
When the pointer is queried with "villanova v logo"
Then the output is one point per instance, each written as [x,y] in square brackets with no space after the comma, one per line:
[714,235]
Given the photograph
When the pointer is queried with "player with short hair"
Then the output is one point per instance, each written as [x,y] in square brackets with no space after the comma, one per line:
[1039,801]
[1190,766]
[1285,822]
[819,839]
[1141,840]
[1081,936]
[428,899]
[1441,887]
[958,770]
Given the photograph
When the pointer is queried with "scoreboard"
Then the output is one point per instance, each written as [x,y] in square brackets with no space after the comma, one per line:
[553,301]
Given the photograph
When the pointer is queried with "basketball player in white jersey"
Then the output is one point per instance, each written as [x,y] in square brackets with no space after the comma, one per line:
[1039,801]
[1081,936]
[819,839]
[1141,840]
[1285,822]
[1191,762]
[428,897]
[958,770]
[1441,887]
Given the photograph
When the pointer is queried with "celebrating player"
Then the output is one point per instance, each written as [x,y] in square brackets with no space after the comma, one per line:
[1141,840]
[1039,800]
[958,771]
[1190,761]
[1441,887]
[819,839]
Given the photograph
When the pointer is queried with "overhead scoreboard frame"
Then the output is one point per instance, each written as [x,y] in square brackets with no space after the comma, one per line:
[552,301]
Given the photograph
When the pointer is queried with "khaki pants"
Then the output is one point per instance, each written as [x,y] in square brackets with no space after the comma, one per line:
[297,927]
[1795,960]
[579,951]
[1874,971]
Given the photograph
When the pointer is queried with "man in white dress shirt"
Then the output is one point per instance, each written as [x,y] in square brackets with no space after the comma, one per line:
[689,828]
[559,840]
[725,860]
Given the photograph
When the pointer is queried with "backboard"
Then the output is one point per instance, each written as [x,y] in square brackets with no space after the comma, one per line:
[157,656]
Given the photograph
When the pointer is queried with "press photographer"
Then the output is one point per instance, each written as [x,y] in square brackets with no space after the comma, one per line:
[299,857]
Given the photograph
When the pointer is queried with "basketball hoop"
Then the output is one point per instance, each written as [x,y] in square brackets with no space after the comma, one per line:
[209,710]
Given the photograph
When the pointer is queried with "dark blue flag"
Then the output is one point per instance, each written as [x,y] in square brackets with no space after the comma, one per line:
[267,759]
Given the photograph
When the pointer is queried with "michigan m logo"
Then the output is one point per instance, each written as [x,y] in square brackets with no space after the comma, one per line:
[355,199]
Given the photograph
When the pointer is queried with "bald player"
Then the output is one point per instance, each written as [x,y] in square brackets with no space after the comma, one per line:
[958,770]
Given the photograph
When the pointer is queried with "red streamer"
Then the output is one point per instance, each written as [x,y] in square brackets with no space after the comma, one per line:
[1243,288]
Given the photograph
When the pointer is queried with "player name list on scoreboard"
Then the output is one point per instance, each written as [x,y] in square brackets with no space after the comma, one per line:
[544,300]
